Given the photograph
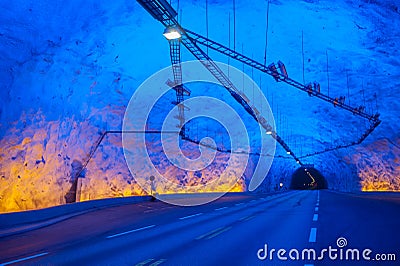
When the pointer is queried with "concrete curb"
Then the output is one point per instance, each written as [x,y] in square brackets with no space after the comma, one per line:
[19,222]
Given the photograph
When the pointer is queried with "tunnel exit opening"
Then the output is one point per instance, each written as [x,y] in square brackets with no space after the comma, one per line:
[307,179]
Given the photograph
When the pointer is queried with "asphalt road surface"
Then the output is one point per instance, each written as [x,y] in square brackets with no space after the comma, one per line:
[234,230]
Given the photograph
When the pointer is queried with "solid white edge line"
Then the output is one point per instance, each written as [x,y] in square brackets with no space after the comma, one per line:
[23,259]
[222,208]
[313,235]
[190,216]
[315,218]
[131,231]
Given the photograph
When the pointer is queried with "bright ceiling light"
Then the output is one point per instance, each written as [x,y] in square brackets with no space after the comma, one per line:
[172,33]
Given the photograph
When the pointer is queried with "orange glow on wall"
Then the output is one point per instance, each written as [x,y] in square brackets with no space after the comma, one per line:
[37,166]
[378,167]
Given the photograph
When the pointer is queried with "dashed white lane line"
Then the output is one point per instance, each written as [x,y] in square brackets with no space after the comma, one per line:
[313,231]
[158,262]
[246,218]
[222,208]
[24,259]
[147,262]
[308,264]
[144,262]
[214,233]
[313,235]
[131,231]
[191,216]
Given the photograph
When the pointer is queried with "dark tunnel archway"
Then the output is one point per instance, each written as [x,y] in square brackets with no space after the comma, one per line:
[308,178]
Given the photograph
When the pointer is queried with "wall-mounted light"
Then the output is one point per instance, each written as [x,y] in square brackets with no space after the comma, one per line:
[172,33]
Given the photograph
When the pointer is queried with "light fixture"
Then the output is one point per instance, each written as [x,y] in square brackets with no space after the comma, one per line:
[269,132]
[298,161]
[172,33]
[288,152]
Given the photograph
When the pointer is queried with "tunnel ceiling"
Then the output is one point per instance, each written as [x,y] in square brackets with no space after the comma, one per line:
[68,70]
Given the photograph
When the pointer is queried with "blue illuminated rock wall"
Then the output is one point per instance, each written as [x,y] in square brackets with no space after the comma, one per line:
[68,70]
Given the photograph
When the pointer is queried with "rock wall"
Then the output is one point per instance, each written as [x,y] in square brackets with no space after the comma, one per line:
[68,71]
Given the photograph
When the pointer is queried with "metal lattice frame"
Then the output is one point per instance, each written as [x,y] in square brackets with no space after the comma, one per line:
[278,76]
[175,53]
[162,11]
[283,77]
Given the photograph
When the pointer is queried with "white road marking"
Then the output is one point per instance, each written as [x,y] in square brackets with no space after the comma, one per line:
[131,231]
[308,264]
[223,208]
[315,218]
[214,233]
[190,216]
[24,259]
[144,262]
[316,209]
[246,218]
[238,204]
[317,204]
[313,235]
[219,232]
[158,262]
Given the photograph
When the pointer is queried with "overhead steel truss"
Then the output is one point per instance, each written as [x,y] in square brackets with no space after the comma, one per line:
[162,11]
[180,89]
[280,76]
[310,89]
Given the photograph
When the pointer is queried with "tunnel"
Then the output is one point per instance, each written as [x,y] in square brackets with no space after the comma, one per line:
[308,178]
